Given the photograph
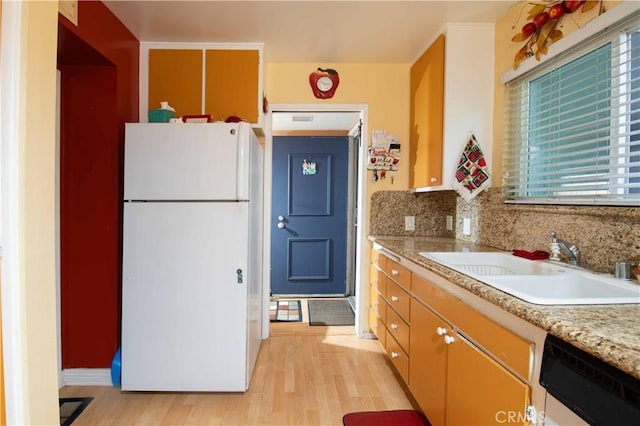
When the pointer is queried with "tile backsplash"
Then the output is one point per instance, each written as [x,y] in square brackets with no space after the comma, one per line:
[604,235]
[388,209]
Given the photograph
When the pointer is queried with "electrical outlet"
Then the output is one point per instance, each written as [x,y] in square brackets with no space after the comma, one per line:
[409,223]
[449,223]
[466,226]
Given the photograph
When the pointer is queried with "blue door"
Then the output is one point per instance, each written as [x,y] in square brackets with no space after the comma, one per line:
[309,215]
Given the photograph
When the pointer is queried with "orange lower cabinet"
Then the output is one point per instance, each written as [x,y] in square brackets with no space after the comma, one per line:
[479,390]
[398,357]
[428,362]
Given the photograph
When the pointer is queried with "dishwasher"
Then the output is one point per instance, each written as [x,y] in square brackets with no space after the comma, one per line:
[595,391]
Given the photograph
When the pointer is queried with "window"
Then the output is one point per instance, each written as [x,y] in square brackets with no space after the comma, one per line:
[573,125]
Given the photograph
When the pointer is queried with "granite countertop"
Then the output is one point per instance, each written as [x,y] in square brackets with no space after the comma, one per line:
[609,332]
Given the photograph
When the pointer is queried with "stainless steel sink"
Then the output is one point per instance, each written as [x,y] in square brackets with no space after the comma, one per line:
[539,282]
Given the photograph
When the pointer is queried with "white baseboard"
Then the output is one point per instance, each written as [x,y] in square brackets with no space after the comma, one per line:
[86,377]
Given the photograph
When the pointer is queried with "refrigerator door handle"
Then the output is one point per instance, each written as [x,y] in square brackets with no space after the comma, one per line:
[243,138]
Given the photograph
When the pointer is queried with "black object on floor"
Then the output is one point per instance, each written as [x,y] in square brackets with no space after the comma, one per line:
[70,409]
[330,312]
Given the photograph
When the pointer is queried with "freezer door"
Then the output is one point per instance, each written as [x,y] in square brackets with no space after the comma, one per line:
[186,161]
[184,296]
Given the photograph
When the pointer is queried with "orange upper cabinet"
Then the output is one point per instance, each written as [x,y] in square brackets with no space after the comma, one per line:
[451,98]
[426,116]
[197,79]
[231,84]
[175,76]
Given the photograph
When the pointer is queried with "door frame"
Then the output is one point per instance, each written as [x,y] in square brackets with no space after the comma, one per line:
[360,219]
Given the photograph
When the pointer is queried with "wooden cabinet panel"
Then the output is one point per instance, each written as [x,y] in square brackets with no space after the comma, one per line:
[398,273]
[231,88]
[175,75]
[377,327]
[427,117]
[378,304]
[479,390]
[398,299]
[399,359]
[378,280]
[378,259]
[428,363]
[508,347]
[398,328]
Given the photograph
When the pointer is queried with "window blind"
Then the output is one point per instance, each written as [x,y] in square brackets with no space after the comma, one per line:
[573,124]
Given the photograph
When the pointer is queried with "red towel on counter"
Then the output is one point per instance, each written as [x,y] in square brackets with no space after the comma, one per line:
[532,255]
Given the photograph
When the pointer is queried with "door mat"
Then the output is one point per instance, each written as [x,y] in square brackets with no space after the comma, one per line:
[285,311]
[330,312]
[70,409]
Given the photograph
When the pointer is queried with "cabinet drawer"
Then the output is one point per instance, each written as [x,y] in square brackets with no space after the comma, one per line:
[398,273]
[377,327]
[399,359]
[378,259]
[399,329]
[378,304]
[398,299]
[502,343]
[378,280]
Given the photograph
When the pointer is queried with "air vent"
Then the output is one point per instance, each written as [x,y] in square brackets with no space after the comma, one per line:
[300,118]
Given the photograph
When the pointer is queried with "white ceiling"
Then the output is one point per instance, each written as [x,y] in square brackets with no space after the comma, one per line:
[323,32]
[306,31]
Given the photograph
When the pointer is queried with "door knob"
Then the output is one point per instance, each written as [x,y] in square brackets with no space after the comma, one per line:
[280,225]
[281,218]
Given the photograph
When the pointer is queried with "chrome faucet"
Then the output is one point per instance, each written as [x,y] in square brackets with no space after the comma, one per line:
[569,249]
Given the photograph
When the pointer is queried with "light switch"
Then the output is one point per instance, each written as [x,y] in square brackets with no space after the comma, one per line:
[409,223]
[449,223]
[466,226]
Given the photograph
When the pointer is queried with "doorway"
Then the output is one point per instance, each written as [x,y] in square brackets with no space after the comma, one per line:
[350,120]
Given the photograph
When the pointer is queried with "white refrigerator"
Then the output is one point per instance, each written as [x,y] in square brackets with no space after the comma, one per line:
[192,257]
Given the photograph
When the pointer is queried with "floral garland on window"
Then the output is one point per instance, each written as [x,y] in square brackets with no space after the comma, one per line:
[543,20]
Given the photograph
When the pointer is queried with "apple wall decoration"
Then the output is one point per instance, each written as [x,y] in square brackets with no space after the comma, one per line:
[324,82]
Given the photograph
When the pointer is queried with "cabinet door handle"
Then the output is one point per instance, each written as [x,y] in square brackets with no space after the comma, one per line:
[374,326]
[394,298]
[441,331]
[394,272]
[394,326]
[433,179]
[375,280]
[376,303]
[394,355]
[449,340]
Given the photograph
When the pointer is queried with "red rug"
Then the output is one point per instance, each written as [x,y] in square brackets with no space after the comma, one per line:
[385,418]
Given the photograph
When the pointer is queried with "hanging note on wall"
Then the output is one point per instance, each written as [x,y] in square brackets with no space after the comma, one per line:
[384,152]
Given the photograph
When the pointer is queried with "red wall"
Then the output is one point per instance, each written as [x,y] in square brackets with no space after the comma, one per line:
[98,61]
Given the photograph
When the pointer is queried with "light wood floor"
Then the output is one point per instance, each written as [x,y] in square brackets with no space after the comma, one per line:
[304,376]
